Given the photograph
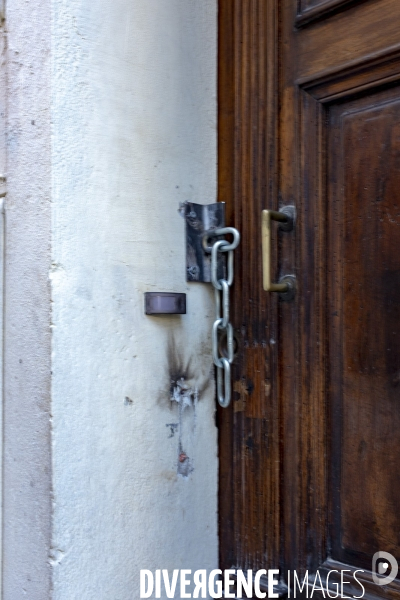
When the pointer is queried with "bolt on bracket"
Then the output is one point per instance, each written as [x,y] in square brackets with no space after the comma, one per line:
[199,219]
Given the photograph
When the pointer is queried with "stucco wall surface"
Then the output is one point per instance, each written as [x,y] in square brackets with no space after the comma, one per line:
[27,338]
[133,134]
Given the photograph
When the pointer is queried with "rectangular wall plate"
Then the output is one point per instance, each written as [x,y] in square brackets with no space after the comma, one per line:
[164,303]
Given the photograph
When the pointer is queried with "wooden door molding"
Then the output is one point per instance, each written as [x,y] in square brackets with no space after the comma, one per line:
[315,10]
[377,70]
[249,505]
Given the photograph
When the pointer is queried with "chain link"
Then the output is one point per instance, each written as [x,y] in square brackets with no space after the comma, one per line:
[221,324]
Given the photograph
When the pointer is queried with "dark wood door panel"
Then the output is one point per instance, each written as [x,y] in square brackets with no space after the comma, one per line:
[347,433]
[310,116]
[364,317]
[342,502]
[347,37]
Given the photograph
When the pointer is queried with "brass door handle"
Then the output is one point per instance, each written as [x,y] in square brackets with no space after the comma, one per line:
[285,217]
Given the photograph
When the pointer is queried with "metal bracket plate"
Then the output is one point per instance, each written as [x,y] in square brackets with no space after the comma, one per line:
[199,219]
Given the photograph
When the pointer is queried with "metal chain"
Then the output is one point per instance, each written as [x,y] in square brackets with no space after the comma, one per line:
[221,325]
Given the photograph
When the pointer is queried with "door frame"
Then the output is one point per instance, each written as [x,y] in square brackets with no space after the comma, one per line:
[245,47]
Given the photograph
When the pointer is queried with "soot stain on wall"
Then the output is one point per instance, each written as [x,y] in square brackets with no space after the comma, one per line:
[182,390]
[181,368]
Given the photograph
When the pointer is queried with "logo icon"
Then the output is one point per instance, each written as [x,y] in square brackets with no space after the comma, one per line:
[381,562]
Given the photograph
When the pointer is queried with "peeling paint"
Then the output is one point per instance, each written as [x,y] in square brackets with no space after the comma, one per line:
[241,388]
[182,373]
[187,398]
[185,466]
[173,427]
[183,394]
[187,384]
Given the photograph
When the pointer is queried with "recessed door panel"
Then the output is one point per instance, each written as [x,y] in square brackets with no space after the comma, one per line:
[364,316]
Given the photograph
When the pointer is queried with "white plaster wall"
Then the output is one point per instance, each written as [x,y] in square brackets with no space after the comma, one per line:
[27,368]
[133,134]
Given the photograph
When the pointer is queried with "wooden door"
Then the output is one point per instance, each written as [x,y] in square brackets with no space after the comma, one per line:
[309,115]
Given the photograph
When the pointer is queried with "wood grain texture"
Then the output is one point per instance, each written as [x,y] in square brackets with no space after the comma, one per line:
[314,124]
[247,183]
[365,205]
[348,36]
